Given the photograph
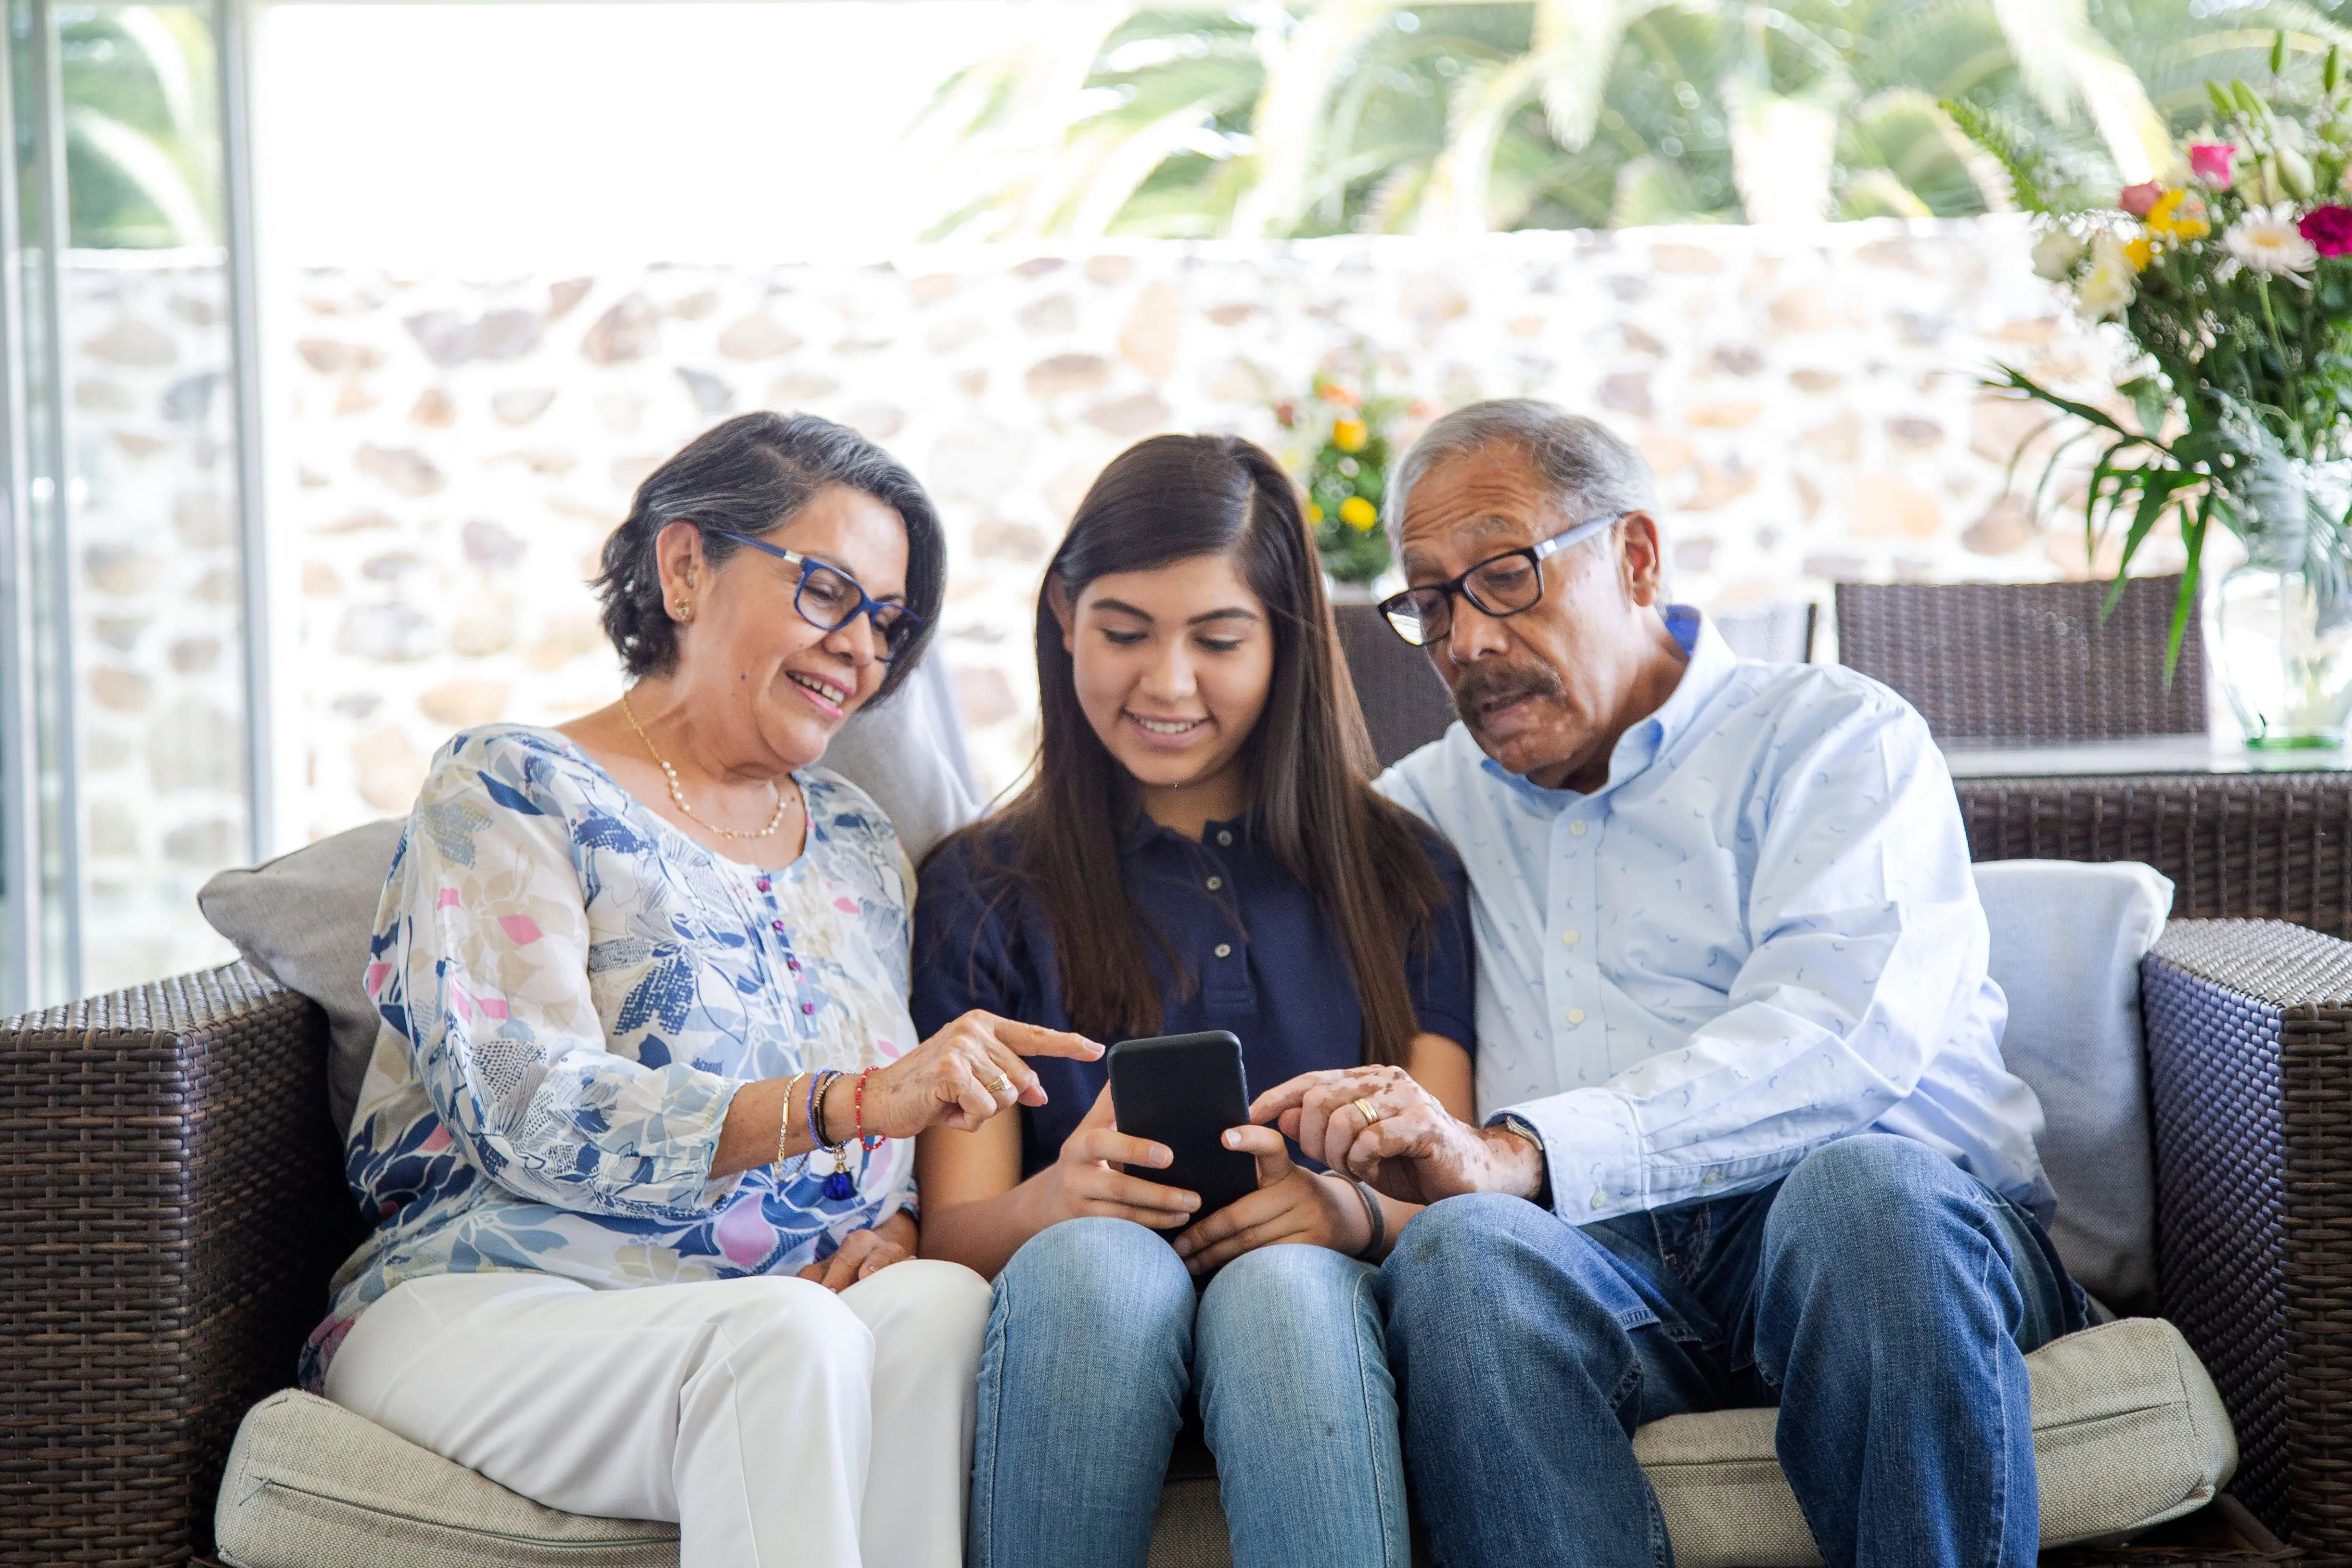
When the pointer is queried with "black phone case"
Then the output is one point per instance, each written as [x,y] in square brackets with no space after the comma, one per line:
[1184,1090]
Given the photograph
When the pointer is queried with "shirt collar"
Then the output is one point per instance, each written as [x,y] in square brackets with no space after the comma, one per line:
[1143,831]
[1709,663]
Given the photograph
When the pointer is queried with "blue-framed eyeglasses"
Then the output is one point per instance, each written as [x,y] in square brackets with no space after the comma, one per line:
[829,598]
[1501,586]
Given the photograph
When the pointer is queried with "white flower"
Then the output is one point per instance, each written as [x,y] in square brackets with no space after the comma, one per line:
[2265,240]
[2055,255]
[2111,283]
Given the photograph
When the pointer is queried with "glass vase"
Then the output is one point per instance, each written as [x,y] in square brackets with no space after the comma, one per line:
[2283,655]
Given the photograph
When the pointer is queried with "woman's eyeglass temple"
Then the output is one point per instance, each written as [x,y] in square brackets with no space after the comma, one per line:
[829,598]
[1500,585]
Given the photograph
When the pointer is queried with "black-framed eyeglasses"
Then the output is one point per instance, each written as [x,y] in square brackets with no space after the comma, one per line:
[1500,585]
[829,598]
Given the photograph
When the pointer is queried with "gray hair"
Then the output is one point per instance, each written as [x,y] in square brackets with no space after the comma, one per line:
[751,474]
[1590,470]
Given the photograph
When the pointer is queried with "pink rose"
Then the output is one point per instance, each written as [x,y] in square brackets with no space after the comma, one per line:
[2209,162]
[2329,229]
[2137,199]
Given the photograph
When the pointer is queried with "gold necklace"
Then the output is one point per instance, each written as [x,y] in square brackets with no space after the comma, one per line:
[678,795]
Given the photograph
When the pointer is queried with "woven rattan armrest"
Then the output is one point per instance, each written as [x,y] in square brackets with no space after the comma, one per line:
[2250,1060]
[171,1202]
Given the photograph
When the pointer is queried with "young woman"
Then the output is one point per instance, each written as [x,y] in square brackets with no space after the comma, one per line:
[1200,850]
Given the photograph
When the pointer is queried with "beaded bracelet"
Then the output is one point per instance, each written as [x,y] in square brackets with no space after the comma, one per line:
[866,1140]
[839,1187]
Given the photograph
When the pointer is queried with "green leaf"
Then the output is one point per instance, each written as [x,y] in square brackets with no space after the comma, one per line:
[2151,401]
[2278,51]
[2249,100]
[2327,73]
[2224,105]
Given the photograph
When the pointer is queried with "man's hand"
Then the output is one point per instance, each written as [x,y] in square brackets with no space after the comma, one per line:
[1377,1123]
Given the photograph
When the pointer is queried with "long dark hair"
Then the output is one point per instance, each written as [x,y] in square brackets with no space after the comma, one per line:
[1166,500]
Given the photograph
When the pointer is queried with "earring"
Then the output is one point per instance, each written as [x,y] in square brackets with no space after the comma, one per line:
[683,610]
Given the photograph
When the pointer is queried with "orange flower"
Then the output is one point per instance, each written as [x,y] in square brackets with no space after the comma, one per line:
[1349,434]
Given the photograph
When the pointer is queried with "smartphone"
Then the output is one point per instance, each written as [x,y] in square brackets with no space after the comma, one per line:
[1184,1091]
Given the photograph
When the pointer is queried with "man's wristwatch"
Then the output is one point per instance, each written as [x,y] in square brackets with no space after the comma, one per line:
[1519,1127]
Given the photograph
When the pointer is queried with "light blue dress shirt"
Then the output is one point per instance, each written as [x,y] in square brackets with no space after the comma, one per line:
[1760,935]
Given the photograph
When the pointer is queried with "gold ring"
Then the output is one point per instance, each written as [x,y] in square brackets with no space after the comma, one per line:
[1364,1109]
[1003,1085]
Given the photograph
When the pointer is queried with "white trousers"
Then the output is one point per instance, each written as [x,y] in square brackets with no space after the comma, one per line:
[775,1421]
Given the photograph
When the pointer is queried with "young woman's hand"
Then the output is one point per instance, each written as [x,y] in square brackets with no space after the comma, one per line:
[864,1252]
[1085,1180]
[1292,1204]
[958,1078]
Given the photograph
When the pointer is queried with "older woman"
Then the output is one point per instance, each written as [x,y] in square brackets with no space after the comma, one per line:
[633,1132]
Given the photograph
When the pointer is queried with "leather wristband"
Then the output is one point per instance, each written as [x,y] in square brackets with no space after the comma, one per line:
[1373,1212]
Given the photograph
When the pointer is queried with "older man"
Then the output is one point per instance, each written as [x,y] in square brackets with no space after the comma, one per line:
[1749,1138]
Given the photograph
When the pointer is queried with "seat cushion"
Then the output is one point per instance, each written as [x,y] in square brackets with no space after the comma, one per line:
[310,1484]
[2068,940]
[2127,1432]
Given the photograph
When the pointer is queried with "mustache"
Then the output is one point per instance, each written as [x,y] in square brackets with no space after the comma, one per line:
[1487,684]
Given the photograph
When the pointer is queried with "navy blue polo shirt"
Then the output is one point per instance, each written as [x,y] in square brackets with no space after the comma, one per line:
[1267,964]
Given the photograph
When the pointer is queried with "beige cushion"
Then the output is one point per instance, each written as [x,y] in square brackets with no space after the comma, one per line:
[2128,1431]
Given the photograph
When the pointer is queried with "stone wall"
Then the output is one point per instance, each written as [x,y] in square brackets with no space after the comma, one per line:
[156,605]
[457,448]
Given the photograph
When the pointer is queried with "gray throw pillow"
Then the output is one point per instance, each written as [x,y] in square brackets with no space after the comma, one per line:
[305,917]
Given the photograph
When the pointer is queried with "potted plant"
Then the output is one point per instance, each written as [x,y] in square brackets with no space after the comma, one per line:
[1342,440]
[2231,277]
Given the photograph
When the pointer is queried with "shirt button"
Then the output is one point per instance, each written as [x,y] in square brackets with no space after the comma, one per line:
[1576,1015]
[1576,828]
[1601,1200]
[1224,838]
[1215,882]
[1223,950]
[778,924]
[761,884]
[1711,1178]
[1571,936]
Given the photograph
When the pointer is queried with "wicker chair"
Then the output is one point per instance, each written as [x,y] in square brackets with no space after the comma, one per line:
[1406,704]
[2025,664]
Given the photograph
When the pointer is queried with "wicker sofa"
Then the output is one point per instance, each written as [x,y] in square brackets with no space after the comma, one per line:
[175,1204]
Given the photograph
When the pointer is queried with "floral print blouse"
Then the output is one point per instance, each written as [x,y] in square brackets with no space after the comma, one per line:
[571,990]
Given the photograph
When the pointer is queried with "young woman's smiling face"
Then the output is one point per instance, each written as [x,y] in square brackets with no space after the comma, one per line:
[1173,668]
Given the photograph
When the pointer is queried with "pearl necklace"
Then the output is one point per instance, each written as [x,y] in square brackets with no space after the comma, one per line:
[678,795]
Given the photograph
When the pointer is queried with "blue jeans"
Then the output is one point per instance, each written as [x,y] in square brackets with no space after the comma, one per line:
[1096,1335]
[1881,1297]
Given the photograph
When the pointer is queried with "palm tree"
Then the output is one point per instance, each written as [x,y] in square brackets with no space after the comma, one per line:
[1304,117]
[142,154]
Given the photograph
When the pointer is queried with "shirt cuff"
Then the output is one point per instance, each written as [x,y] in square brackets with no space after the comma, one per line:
[1592,1151]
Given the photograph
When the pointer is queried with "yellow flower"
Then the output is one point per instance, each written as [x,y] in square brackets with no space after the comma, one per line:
[2180,215]
[1314,512]
[1349,434]
[1358,514]
[2140,252]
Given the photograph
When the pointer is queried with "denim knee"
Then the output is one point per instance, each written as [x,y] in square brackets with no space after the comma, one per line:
[1106,1279]
[1447,1251]
[1285,1303]
[1874,1196]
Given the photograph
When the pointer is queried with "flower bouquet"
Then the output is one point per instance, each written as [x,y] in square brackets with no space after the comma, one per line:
[2232,276]
[1343,443]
